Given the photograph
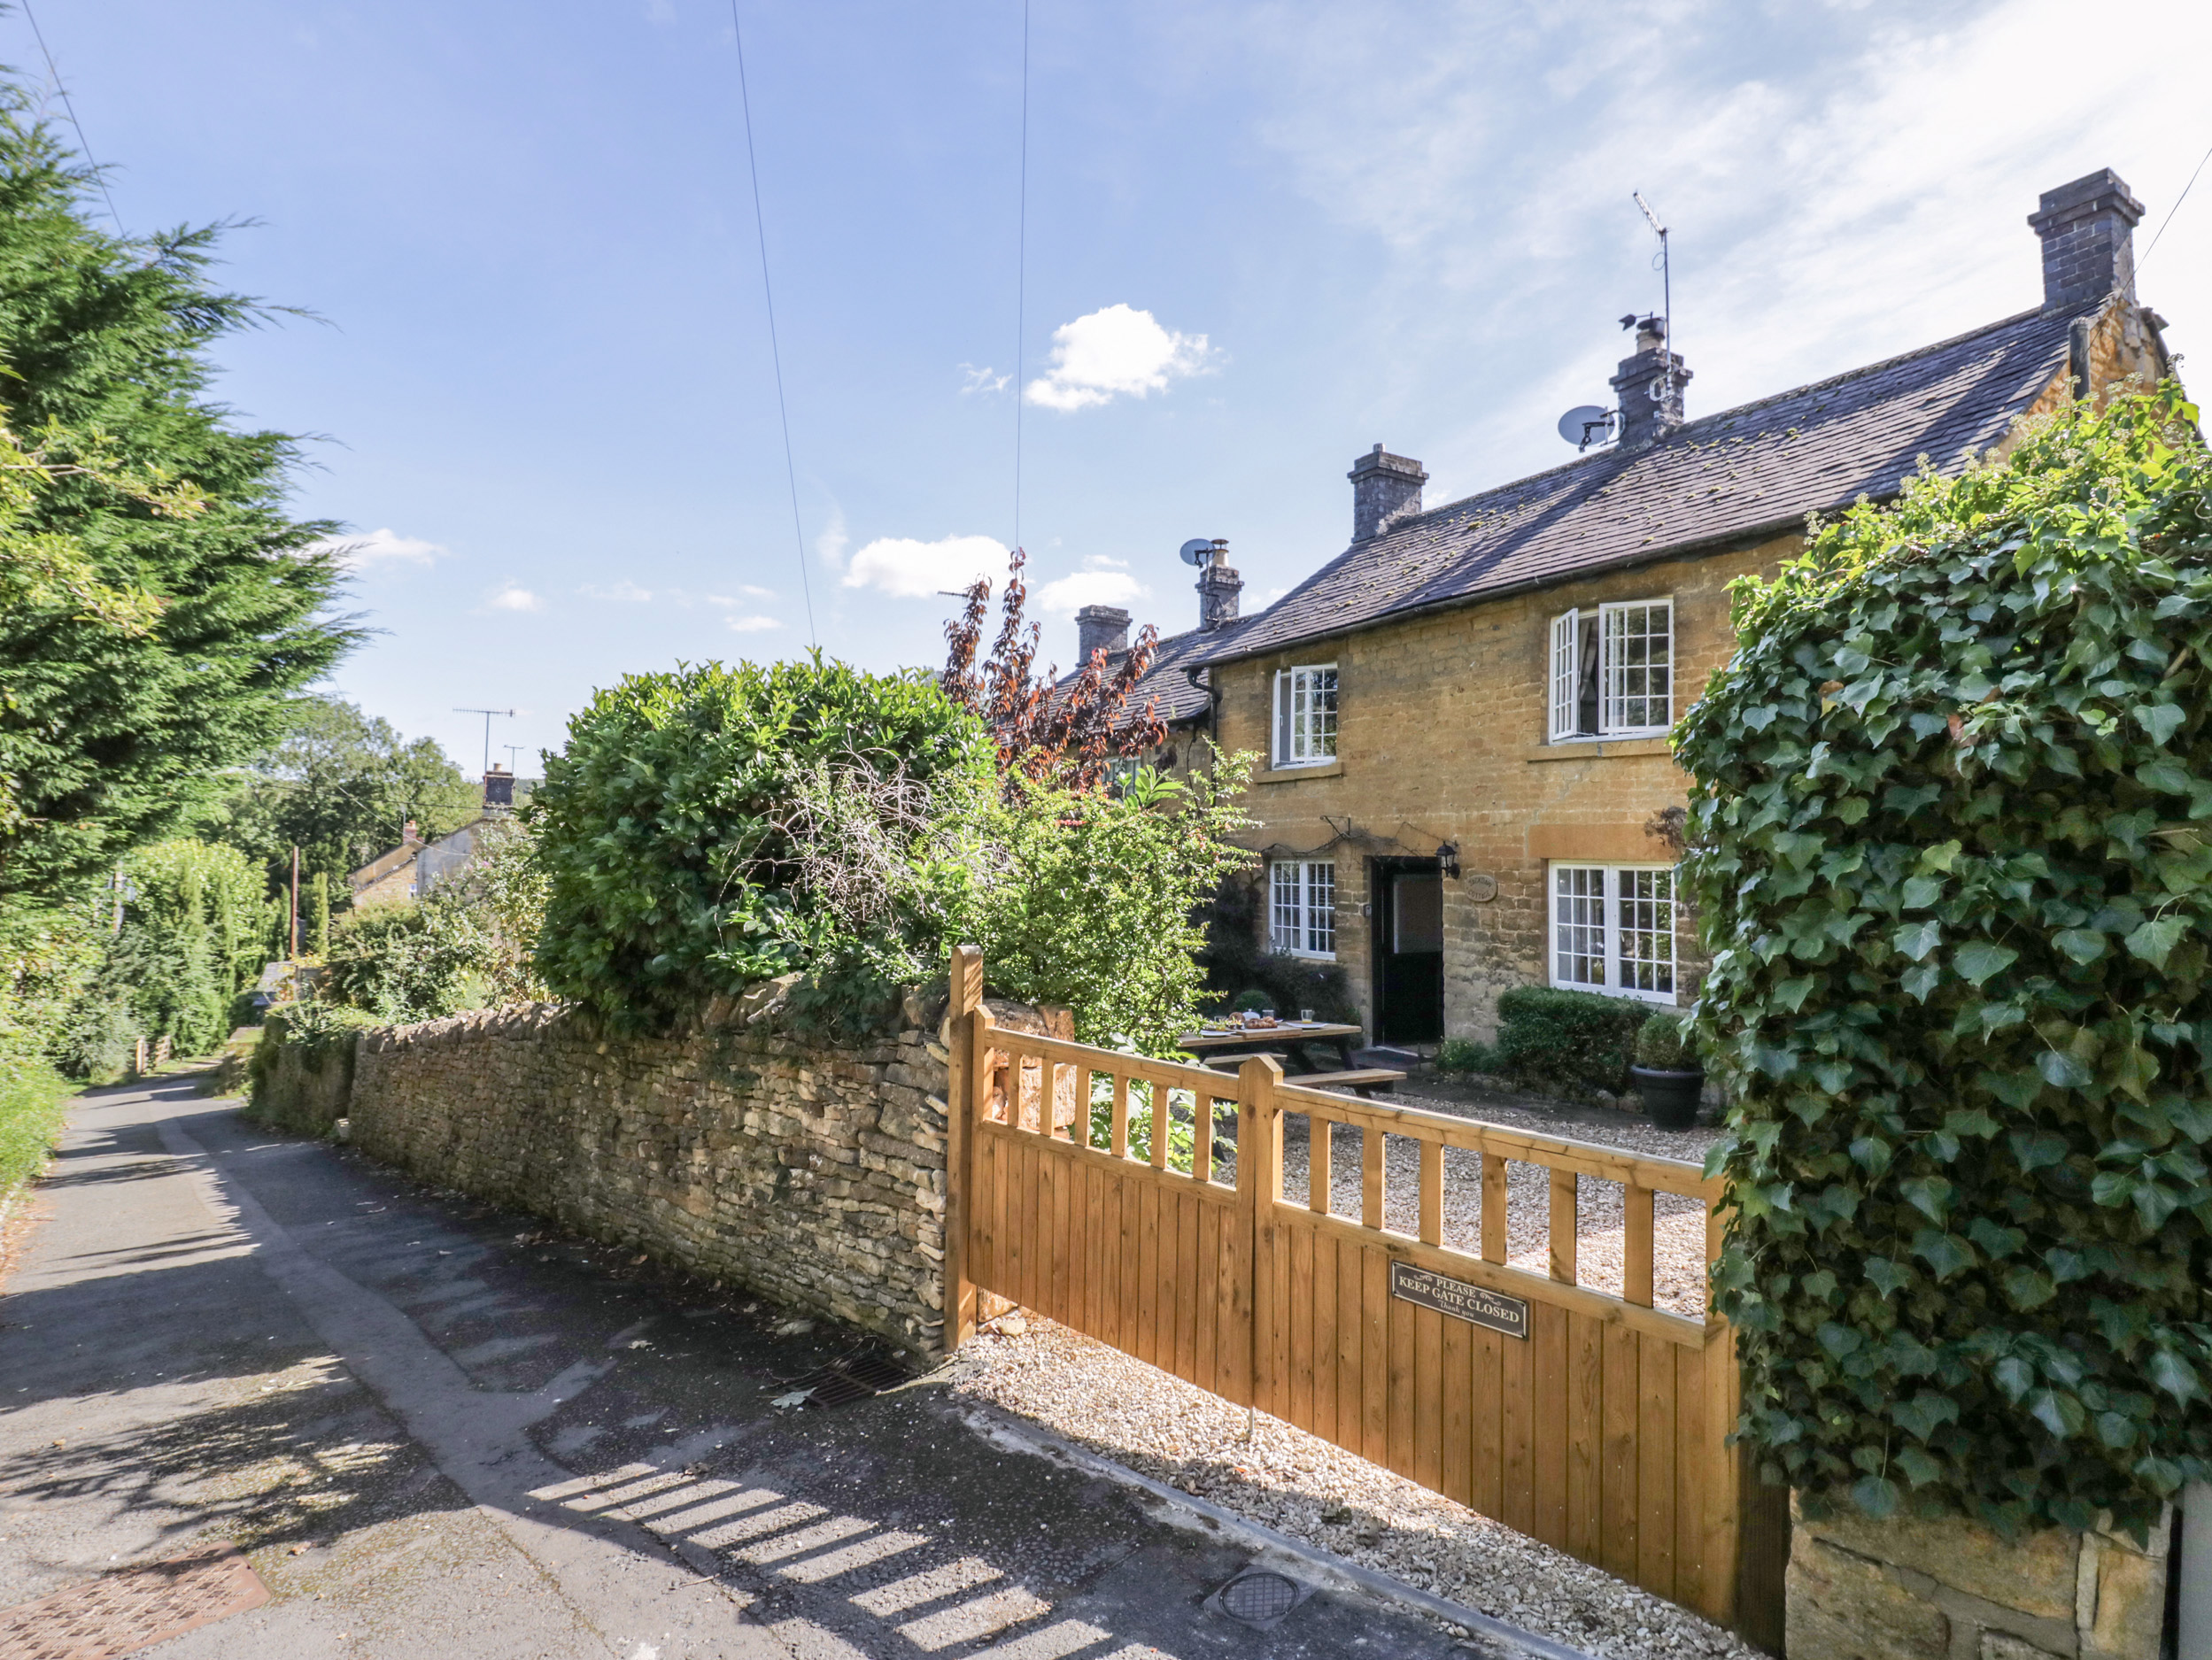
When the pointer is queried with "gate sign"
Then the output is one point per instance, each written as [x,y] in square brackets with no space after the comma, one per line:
[1477,1304]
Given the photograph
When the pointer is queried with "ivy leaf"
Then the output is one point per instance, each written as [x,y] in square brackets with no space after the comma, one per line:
[1994,1238]
[1876,1496]
[2036,1148]
[1921,981]
[2166,775]
[1930,1195]
[2014,1376]
[2082,944]
[1942,1252]
[1970,1121]
[1917,939]
[1926,1413]
[2162,721]
[2115,1430]
[2058,1412]
[2026,1289]
[1919,1468]
[1922,892]
[1979,960]
[2155,940]
[2062,1070]
[1886,1276]
[2168,1372]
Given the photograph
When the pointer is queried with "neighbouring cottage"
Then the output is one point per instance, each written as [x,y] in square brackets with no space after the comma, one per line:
[414,868]
[1462,716]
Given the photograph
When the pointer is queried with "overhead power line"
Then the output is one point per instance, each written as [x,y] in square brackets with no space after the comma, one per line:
[775,351]
[1021,278]
[2171,212]
[83,144]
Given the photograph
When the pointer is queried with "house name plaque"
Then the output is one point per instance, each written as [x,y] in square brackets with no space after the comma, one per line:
[1476,1304]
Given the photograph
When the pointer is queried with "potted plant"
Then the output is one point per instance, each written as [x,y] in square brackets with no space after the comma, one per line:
[1666,1073]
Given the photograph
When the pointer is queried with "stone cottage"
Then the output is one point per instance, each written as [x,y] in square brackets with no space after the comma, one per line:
[1462,716]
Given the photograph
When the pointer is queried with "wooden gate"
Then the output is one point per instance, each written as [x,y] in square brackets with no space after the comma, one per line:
[1086,1185]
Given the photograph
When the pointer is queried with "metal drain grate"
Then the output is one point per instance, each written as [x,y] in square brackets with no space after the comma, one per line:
[122,1612]
[857,1377]
[1260,1598]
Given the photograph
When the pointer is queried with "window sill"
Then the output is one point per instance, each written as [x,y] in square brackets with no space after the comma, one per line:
[1290,774]
[1599,748]
[1620,993]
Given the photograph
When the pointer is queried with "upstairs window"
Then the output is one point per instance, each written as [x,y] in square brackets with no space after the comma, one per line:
[1305,716]
[1613,671]
[1301,909]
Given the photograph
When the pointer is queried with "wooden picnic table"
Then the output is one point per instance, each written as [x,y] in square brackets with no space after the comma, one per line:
[1289,1036]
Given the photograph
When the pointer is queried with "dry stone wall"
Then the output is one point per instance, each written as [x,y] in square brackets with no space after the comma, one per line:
[1953,1590]
[809,1172]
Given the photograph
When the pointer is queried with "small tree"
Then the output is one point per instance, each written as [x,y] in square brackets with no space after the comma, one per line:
[1951,845]
[1044,730]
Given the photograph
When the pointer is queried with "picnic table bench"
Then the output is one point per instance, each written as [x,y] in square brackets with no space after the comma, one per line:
[1290,1040]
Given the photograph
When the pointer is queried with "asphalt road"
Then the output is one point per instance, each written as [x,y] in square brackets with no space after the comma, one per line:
[438,1430]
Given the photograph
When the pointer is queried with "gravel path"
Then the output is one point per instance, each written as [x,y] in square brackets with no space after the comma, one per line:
[1307,1487]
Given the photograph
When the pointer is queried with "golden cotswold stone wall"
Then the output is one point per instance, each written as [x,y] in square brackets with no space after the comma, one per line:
[1950,1590]
[812,1173]
[1441,736]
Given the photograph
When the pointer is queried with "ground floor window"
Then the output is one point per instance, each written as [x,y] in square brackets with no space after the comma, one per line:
[1612,929]
[1301,909]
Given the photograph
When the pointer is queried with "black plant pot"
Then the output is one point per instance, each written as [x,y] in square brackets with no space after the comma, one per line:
[1671,1097]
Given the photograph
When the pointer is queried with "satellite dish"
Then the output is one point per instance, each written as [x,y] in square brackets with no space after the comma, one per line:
[1586,424]
[1198,551]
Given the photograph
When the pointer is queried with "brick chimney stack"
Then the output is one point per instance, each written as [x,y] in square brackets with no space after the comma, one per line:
[1649,387]
[2088,232]
[1099,629]
[1385,487]
[1218,587]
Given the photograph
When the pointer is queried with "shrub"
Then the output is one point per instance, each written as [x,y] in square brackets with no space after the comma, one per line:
[1564,1039]
[1948,840]
[1465,1054]
[664,827]
[1661,1047]
[1238,963]
[1094,901]
[33,1100]
[1252,1002]
[400,963]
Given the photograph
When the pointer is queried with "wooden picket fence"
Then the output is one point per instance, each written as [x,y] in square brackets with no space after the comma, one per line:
[1086,1185]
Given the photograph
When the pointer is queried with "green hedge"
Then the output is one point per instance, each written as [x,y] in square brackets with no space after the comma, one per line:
[1565,1039]
[661,826]
[1950,850]
[33,1100]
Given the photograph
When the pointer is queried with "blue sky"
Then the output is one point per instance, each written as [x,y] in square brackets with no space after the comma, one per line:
[1260,239]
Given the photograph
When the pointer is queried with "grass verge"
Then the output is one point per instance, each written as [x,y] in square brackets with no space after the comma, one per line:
[34,1100]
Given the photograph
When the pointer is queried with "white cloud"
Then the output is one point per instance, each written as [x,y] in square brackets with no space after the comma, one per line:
[762,593]
[1067,595]
[908,570]
[378,547]
[752,625]
[981,380]
[511,597]
[1105,353]
[625,592]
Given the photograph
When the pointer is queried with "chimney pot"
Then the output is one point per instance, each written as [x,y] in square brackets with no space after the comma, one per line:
[1218,587]
[2088,232]
[1649,387]
[1099,629]
[1385,489]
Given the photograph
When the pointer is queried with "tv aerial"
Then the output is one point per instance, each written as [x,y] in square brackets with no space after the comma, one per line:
[1199,550]
[1587,424]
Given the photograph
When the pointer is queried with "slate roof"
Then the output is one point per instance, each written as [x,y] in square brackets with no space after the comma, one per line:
[1759,467]
[1165,684]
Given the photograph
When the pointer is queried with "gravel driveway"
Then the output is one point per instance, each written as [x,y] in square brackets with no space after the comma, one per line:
[1306,1487]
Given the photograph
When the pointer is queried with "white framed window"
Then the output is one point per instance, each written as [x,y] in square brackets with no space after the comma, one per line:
[1305,715]
[1612,929]
[1613,671]
[1301,907]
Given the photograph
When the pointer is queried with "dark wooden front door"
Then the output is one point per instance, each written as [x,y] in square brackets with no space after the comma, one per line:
[1409,951]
